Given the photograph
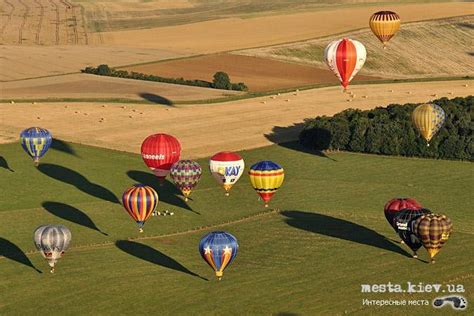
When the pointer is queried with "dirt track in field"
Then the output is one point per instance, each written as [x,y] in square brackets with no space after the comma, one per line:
[82,86]
[206,129]
[259,74]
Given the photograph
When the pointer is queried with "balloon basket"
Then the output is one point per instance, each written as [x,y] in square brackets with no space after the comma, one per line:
[402,242]
[141,230]
[266,205]
[433,261]
[415,256]
[36,162]
[51,270]
[227,194]
[186,199]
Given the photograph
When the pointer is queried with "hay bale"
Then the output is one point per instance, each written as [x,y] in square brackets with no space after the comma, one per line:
[466,85]
[287,100]
[12,102]
[391,90]
[365,96]
[38,118]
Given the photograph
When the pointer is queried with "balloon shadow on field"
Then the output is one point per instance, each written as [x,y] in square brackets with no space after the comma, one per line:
[154,98]
[64,147]
[167,191]
[341,229]
[74,178]
[287,137]
[4,164]
[11,251]
[71,214]
[154,256]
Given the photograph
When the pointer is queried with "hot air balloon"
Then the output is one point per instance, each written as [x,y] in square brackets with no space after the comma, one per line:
[36,142]
[395,205]
[185,175]
[433,230]
[345,57]
[160,152]
[404,220]
[266,178]
[140,201]
[428,119]
[384,24]
[226,167]
[52,241]
[218,249]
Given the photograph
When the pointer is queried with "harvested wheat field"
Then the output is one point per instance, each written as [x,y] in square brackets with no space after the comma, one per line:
[236,33]
[448,51]
[259,74]
[21,62]
[42,22]
[205,129]
[83,86]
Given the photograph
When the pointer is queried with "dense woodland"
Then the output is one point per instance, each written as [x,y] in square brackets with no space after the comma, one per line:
[390,131]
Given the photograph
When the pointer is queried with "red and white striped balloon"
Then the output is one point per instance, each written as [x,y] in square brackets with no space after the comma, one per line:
[345,57]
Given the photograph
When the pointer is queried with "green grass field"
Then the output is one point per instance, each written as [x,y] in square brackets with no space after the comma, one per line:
[310,257]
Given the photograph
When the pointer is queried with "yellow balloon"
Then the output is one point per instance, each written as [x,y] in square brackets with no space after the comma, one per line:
[428,119]
[384,24]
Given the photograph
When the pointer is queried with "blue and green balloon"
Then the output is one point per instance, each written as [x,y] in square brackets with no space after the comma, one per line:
[36,142]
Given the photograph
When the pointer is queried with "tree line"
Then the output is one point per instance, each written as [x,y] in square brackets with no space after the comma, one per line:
[390,131]
[221,80]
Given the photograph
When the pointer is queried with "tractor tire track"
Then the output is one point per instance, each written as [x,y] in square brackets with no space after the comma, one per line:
[56,9]
[40,22]
[84,25]
[23,22]
[9,17]
[69,17]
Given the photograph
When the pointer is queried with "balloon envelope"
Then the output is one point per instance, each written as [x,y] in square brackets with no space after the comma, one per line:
[266,178]
[160,152]
[52,241]
[395,205]
[35,142]
[433,230]
[404,220]
[345,57]
[140,201]
[185,175]
[384,24]
[428,119]
[218,249]
[226,167]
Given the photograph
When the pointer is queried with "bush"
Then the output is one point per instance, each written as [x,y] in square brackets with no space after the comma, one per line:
[389,131]
[221,79]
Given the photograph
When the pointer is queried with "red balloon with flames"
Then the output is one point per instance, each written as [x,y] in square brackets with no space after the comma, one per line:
[160,152]
[395,205]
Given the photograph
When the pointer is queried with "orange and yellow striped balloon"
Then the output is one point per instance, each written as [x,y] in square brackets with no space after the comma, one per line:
[433,231]
[384,24]
[428,119]
[140,201]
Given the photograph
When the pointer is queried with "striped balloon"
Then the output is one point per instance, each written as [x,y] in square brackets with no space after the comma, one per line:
[52,241]
[384,24]
[433,230]
[345,57]
[428,119]
[36,142]
[266,178]
[218,249]
[140,201]
[185,175]
[395,205]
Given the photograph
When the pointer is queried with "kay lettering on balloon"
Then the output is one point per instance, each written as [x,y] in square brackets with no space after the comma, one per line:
[232,171]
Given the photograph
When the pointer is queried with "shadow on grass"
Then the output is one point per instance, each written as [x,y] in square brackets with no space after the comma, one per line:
[154,98]
[4,164]
[287,137]
[152,255]
[167,191]
[71,214]
[64,147]
[77,180]
[341,229]
[11,251]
